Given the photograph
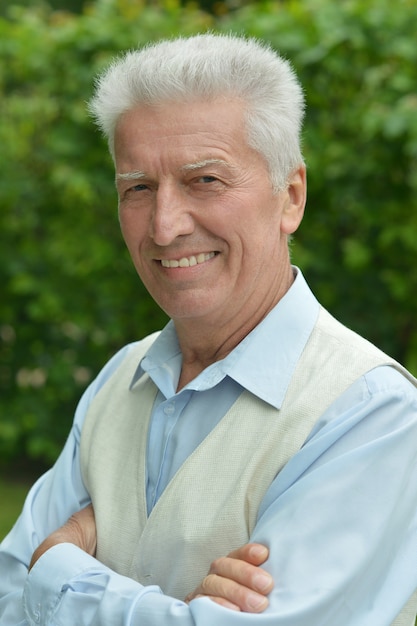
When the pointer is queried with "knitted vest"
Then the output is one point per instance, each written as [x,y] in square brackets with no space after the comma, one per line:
[210,507]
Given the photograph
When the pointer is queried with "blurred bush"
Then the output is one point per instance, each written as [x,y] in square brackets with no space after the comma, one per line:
[69,296]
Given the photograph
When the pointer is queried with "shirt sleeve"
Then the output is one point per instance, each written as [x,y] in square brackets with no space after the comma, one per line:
[51,501]
[53,498]
[341,518]
[340,522]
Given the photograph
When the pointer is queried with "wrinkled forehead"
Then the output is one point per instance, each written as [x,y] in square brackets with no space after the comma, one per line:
[191,110]
[199,126]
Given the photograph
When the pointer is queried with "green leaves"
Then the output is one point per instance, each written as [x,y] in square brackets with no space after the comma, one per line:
[69,295]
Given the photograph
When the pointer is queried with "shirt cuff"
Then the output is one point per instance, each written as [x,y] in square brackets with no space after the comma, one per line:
[48,577]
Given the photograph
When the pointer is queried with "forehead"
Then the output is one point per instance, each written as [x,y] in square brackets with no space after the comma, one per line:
[188,132]
[192,111]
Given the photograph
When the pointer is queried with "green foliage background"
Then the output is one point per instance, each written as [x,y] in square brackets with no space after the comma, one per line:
[69,296]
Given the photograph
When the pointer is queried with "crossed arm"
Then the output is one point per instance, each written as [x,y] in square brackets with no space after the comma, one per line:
[235,581]
[339,521]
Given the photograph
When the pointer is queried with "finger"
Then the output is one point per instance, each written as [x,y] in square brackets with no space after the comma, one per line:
[245,574]
[221,601]
[254,553]
[243,597]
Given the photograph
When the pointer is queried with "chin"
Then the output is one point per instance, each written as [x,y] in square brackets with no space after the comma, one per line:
[186,305]
[188,312]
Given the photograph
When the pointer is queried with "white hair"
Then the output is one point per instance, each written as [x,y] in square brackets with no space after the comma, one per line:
[206,67]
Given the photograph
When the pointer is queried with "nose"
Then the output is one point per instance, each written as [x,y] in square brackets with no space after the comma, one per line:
[171,215]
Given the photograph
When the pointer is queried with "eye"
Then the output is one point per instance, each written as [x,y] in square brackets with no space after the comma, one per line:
[207,184]
[139,187]
[135,193]
[207,179]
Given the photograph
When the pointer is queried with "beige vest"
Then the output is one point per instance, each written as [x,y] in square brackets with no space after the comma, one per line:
[210,507]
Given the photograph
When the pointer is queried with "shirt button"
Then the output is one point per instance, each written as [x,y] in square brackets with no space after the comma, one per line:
[169,409]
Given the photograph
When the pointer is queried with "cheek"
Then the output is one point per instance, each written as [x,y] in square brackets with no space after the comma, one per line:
[132,226]
[127,233]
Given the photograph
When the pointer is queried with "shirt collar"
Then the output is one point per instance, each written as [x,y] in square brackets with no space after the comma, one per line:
[263,363]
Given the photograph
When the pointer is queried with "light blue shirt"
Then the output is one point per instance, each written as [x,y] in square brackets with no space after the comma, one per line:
[340,519]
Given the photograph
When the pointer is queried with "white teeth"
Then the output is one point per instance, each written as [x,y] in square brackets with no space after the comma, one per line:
[188,261]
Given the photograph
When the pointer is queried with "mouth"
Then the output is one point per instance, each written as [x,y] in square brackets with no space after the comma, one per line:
[188,261]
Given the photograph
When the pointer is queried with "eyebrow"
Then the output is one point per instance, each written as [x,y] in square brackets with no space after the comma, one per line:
[188,167]
[198,165]
[137,175]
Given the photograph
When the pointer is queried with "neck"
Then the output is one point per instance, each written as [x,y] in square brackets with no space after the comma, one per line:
[204,341]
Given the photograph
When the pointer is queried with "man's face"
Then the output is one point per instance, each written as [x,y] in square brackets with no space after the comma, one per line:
[205,231]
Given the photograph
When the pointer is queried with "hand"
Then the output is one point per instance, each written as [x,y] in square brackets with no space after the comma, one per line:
[237,582]
[80,530]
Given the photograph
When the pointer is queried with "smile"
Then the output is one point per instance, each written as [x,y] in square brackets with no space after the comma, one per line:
[189,261]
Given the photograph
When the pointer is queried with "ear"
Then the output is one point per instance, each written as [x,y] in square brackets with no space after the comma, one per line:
[295,200]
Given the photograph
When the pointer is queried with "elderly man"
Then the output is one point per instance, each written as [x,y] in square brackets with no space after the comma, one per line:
[254,425]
